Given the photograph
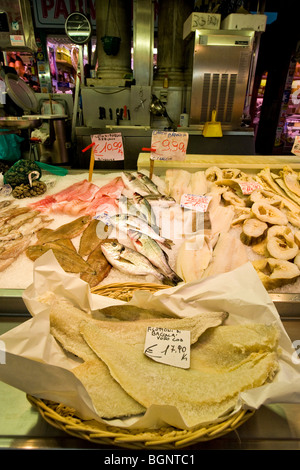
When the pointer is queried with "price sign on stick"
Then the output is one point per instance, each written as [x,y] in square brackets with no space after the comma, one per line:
[169,145]
[108,147]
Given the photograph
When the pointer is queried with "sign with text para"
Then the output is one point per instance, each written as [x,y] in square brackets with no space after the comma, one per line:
[169,145]
[168,346]
[108,147]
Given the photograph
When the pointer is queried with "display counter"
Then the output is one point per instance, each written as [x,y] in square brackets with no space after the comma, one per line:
[274,427]
[271,427]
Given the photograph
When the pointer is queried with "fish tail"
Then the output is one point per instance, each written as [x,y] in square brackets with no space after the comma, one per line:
[175,278]
[167,281]
[168,243]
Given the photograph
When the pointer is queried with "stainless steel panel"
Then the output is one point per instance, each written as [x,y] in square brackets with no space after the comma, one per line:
[220,75]
[143,41]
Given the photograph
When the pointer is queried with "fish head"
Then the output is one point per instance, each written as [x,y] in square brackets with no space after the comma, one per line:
[128,175]
[112,248]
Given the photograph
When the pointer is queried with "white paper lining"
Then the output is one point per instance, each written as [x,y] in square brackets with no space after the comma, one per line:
[38,366]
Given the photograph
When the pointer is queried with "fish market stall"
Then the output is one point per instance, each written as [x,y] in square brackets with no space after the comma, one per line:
[89,241]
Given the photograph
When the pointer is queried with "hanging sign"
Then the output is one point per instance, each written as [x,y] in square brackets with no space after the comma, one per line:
[108,147]
[169,145]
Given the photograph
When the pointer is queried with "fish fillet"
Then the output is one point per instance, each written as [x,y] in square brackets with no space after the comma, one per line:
[108,397]
[228,254]
[199,395]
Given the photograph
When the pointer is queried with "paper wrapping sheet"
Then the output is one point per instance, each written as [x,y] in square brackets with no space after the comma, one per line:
[38,366]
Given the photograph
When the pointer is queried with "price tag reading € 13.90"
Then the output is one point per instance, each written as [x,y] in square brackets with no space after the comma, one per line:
[108,147]
[168,346]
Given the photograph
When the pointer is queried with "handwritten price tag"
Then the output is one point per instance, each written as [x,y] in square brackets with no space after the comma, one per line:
[169,145]
[248,187]
[195,202]
[168,346]
[108,147]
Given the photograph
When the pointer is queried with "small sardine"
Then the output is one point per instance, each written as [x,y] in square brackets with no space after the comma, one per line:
[156,255]
[129,261]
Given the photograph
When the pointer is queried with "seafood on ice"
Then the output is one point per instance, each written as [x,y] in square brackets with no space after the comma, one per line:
[82,197]
[129,261]
[258,225]
[17,227]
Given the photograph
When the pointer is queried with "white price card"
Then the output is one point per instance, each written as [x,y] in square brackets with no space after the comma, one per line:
[248,187]
[296,146]
[108,147]
[168,346]
[169,145]
[195,202]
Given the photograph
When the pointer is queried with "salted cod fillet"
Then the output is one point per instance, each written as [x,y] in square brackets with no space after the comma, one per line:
[200,395]
[109,398]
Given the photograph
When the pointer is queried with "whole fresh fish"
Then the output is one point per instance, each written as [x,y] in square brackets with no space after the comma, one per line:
[89,239]
[144,207]
[139,207]
[134,184]
[152,187]
[68,258]
[69,230]
[100,266]
[124,222]
[129,261]
[160,200]
[155,254]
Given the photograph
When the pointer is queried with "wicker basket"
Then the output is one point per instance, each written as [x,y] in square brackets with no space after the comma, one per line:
[167,438]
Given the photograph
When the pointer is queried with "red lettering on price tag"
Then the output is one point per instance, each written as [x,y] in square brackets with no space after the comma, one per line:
[108,147]
[169,145]
[195,202]
[248,187]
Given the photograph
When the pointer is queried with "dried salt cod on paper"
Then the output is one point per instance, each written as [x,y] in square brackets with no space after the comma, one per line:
[109,398]
[37,371]
[206,391]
